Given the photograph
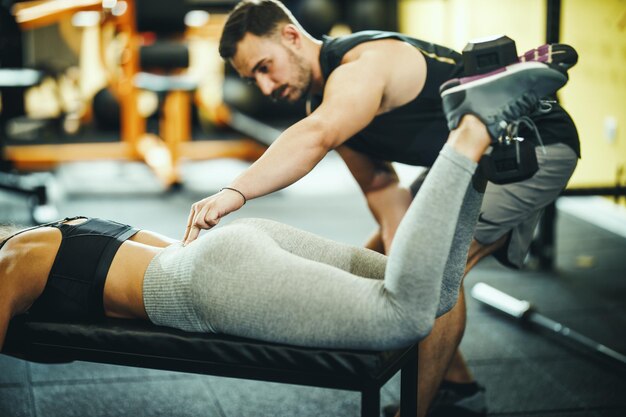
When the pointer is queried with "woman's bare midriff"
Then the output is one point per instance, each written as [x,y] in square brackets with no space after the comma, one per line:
[123,289]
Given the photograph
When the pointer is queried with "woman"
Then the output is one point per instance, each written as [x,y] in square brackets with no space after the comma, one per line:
[252,278]
[268,281]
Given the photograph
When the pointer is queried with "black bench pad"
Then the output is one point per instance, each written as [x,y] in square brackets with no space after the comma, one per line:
[142,344]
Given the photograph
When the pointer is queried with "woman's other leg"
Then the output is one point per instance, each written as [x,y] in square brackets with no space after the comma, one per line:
[358,261]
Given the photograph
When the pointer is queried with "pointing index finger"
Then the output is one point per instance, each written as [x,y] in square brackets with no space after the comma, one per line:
[189,223]
[193,233]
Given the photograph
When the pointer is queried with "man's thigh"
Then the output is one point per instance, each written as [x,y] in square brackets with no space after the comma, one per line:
[517,207]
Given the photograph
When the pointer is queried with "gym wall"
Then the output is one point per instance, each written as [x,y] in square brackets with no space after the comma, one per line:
[596,94]
[454,22]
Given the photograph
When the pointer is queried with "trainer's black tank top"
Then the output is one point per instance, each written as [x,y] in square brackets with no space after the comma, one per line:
[415,132]
[75,286]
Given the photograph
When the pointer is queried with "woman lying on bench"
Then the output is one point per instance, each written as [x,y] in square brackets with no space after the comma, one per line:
[264,280]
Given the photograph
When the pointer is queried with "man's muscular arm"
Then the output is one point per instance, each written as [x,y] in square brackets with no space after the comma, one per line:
[372,79]
[352,97]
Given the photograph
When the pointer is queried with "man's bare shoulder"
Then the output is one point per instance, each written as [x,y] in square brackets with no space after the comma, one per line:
[400,66]
[383,49]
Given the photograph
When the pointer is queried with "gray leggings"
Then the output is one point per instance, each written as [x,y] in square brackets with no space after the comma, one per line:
[268,281]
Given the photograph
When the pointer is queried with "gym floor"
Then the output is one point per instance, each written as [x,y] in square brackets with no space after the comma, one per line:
[526,372]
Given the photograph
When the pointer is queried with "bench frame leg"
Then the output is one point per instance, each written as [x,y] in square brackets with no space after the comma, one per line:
[408,387]
[370,402]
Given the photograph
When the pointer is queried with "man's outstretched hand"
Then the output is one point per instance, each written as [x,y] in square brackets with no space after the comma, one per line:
[208,212]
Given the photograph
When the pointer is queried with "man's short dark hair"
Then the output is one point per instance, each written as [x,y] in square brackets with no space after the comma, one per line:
[258,17]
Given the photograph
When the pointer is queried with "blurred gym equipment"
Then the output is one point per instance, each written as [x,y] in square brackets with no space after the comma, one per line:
[153,39]
[145,69]
[14,80]
[527,315]
[115,93]
[317,16]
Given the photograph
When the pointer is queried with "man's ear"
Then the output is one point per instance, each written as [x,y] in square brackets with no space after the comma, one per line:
[291,35]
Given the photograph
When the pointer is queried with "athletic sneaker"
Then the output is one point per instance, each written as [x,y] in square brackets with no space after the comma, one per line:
[452,400]
[390,410]
[501,96]
[558,55]
[458,400]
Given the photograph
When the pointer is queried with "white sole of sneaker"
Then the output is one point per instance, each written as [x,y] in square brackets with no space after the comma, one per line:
[510,70]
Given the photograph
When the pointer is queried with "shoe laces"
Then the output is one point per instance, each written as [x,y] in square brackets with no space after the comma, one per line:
[544,106]
[527,105]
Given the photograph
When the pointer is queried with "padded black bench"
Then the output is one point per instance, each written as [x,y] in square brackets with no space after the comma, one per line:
[144,345]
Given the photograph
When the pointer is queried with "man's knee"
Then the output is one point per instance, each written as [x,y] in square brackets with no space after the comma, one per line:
[479,250]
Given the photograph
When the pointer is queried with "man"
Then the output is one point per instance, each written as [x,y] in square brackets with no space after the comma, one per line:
[374,97]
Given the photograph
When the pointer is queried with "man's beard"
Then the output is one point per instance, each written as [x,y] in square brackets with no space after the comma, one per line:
[302,84]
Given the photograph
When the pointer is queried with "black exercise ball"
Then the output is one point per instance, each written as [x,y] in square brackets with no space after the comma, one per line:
[368,15]
[317,16]
[106,110]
